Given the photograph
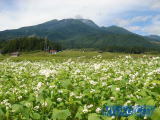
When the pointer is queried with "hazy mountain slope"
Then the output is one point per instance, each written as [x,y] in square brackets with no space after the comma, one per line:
[155,37]
[116,30]
[104,40]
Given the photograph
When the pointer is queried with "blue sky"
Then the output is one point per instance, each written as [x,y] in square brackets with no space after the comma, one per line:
[139,16]
[8,5]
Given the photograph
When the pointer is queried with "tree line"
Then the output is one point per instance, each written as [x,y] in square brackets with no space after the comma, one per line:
[28,44]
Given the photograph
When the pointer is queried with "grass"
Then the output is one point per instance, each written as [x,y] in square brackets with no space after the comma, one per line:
[69,54]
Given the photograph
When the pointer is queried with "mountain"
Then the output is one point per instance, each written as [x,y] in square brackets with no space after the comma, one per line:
[62,29]
[84,33]
[154,37]
[116,30]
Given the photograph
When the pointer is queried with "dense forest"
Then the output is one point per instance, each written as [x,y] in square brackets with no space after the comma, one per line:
[127,43]
[88,42]
[27,44]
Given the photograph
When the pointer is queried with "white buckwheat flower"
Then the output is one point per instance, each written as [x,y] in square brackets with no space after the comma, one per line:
[60,91]
[85,110]
[93,82]
[113,117]
[72,94]
[98,110]
[157,71]
[44,104]
[92,90]
[145,117]
[112,98]
[90,106]
[39,85]
[59,99]
[117,89]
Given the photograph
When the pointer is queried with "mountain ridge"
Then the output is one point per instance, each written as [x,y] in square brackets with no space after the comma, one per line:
[83,33]
[154,37]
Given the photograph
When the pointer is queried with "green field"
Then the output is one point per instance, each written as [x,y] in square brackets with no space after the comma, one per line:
[75,85]
[70,54]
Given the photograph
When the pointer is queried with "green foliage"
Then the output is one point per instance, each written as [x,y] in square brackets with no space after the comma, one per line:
[60,114]
[28,44]
[17,108]
[128,43]
[35,116]
[77,88]
[2,115]
[156,114]
[93,116]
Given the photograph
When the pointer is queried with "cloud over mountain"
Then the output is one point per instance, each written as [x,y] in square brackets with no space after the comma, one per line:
[18,13]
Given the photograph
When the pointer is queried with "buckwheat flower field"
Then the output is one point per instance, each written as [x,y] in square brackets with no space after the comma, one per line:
[77,90]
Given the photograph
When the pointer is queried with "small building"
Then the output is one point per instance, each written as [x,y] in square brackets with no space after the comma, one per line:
[53,52]
[15,54]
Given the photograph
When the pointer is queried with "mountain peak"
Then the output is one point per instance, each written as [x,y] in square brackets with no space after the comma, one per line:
[84,21]
[89,22]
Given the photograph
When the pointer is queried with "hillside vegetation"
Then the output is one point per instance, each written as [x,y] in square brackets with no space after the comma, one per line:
[83,33]
[28,44]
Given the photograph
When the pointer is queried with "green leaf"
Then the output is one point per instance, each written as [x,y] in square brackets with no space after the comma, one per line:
[133,117]
[26,113]
[93,116]
[66,83]
[17,108]
[60,114]
[2,114]
[49,103]
[151,102]
[31,97]
[78,115]
[106,118]
[156,114]
[36,116]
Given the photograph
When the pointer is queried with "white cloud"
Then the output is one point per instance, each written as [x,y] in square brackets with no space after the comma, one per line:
[127,22]
[154,27]
[37,11]
[134,28]
[155,4]
[103,12]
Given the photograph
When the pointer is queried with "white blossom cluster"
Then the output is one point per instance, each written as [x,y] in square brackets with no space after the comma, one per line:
[80,86]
